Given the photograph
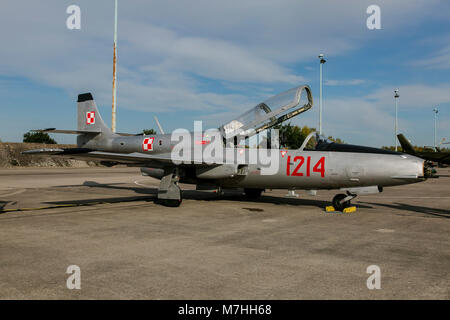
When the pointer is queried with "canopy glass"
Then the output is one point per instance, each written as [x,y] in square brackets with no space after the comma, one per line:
[269,113]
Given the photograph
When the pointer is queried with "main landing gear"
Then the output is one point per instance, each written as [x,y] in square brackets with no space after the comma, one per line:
[342,201]
[169,193]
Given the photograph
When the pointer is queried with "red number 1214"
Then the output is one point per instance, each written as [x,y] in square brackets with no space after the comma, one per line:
[319,167]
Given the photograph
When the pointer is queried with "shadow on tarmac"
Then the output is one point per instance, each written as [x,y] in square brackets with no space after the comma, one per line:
[3,204]
[407,207]
[229,195]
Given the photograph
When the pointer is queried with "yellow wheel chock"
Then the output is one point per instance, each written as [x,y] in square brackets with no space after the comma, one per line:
[331,209]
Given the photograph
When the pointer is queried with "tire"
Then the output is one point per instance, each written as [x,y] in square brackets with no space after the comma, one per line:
[253,193]
[171,202]
[337,202]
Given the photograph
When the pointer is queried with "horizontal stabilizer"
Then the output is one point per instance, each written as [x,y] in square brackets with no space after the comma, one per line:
[53,130]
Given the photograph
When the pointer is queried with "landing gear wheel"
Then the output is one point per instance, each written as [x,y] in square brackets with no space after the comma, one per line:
[253,193]
[337,202]
[169,193]
[171,202]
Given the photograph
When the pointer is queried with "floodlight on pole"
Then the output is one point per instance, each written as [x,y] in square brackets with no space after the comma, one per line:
[435,110]
[114,85]
[396,96]
[322,61]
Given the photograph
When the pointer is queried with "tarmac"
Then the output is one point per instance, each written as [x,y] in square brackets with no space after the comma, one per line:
[105,221]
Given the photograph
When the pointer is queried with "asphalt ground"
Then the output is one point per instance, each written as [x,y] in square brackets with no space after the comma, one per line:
[105,221]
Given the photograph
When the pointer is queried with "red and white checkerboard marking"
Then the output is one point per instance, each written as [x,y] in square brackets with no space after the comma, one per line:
[147,144]
[90,117]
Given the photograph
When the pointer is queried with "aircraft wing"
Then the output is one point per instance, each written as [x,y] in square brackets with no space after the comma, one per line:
[134,158]
[441,157]
[230,156]
[159,160]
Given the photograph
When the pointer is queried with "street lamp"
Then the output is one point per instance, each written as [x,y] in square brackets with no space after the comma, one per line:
[396,95]
[322,61]
[435,110]
[114,84]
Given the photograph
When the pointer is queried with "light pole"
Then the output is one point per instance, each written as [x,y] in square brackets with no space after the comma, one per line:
[396,95]
[322,61]
[114,86]
[435,110]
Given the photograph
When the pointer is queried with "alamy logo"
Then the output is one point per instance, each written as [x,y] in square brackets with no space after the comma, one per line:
[374,281]
[74,280]
[212,147]
[90,117]
[374,20]
[74,20]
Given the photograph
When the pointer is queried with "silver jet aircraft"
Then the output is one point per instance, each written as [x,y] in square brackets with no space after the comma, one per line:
[352,169]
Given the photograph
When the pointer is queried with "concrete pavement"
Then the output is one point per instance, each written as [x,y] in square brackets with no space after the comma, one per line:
[105,221]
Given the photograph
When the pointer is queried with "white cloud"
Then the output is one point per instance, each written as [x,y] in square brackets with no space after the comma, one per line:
[238,42]
[369,120]
[167,48]
[440,61]
[412,96]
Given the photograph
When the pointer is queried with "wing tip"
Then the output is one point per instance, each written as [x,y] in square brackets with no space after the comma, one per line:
[42,151]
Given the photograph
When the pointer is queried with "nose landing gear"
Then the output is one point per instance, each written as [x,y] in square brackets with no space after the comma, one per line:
[342,201]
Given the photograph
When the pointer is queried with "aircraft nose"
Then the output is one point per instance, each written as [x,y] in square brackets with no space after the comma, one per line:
[422,168]
[418,167]
[410,169]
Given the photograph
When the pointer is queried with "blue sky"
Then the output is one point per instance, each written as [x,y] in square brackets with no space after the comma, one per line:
[209,60]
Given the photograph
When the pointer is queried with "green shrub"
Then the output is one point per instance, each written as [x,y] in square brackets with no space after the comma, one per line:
[38,137]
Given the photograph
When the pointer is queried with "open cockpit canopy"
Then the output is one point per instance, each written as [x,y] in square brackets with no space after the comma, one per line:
[269,113]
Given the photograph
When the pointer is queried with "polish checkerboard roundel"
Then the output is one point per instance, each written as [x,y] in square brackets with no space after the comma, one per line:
[90,117]
[147,144]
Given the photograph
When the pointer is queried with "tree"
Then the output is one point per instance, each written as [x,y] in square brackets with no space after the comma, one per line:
[392,148]
[292,137]
[38,137]
[337,140]
[149,131]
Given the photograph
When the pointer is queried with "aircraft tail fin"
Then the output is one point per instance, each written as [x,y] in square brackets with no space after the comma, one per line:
[406,145]
[89,118]
[90,123]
